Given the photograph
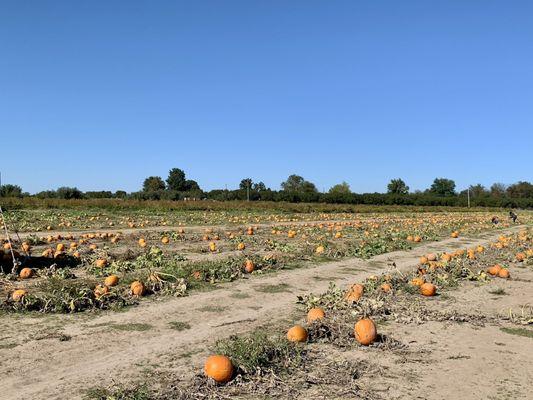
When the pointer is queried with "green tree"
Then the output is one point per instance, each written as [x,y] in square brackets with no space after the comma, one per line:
[153,184]
[245,184]
[10,191]
[68,193]
[340,189]
[478,190]
[442,187]
[176,180]
[298,184]
[397,186]
[521,189]
[498,190]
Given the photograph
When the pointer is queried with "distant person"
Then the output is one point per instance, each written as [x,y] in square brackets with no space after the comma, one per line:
[495,220]
[513,216]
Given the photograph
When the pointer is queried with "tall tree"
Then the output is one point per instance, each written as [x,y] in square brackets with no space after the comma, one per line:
[153,184]
[245,184]
[296,183]
[443,187]
[176,180]
[397,186]
[340,188]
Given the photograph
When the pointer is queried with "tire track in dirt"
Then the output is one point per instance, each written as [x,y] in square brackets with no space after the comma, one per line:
[117,345]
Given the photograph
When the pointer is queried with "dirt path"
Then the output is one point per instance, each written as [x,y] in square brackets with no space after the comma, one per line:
[38,363]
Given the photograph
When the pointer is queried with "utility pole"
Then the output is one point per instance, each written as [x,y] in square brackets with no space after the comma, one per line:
[468,195]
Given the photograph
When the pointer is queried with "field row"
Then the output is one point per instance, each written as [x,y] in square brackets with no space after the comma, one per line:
[100,270]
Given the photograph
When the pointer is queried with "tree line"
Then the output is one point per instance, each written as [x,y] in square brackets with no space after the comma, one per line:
[297,189]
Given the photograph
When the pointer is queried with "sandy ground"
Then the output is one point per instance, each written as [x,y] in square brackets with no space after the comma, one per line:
[457,361]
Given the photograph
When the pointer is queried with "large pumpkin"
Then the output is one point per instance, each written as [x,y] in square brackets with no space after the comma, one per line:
[219,368]
[365,331]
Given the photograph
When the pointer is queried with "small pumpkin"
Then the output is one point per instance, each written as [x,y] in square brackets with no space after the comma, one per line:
[249,266]
[111,280]
[165,240]
[137,288]
[354,293]
[418,281]
[18,294]
[428,289]
[297,334]
[386,287]
[25,273]
[101,262]
[219,368]
[494,270]
[100,290]
[504,273]
[241,246]
[315,314]
[365,331]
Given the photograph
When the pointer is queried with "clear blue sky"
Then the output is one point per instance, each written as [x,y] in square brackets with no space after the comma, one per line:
[101,94]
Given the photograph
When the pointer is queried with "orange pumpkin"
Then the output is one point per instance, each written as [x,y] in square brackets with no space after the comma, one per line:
[504,273]
[297,334]
[100,291]
[165,240]
[315,314]
[249,266]
[494,270]
[386,287]
[18,294]
[219,368]
[137,288]
[520,257]
[101,262]
[241,246]
[428,289]
[365,331]
[111,280]
[26,273]
[354,293]
[418,281]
